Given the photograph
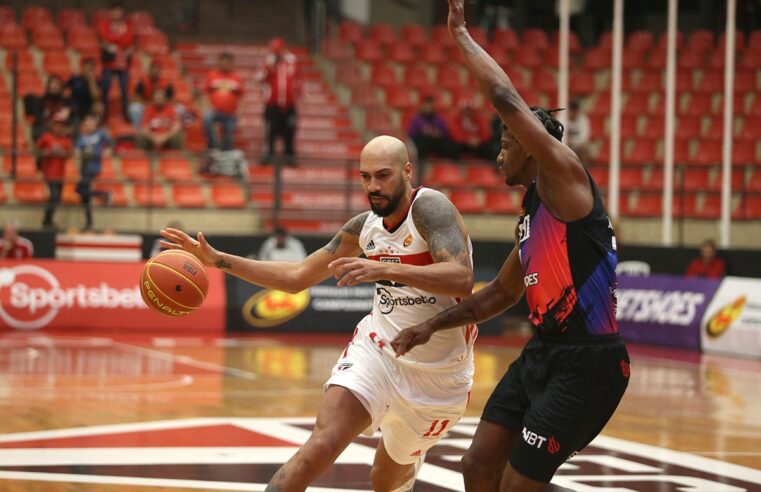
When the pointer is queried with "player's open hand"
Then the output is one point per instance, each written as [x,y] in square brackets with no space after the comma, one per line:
[176,239]
[353,271]
[411,337]
[456,19]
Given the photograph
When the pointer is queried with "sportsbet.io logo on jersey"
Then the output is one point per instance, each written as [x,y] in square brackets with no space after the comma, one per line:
[387,302]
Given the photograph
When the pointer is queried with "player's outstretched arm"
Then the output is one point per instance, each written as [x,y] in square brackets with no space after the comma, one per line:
[499,294]
[285,276]
[440,224]
[562,181]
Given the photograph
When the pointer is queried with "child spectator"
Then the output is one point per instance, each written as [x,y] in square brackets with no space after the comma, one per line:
[92,144]
[48,105]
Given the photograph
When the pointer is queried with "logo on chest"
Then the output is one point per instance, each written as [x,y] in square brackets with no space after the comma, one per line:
[524,228]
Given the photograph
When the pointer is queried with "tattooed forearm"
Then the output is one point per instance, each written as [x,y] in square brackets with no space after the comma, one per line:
[221,263]
[441,226]
[273,485]
[353,227]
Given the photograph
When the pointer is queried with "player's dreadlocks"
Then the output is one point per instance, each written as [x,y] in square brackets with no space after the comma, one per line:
[553,126]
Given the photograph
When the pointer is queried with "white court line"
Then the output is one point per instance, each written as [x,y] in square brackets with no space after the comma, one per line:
[189,361]
[149,482]
[107,388]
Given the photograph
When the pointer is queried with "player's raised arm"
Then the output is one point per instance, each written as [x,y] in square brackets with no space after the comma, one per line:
[499,294]
[562,181]
[285,276]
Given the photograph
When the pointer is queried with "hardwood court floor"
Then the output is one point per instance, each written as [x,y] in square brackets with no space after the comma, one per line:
[123,415]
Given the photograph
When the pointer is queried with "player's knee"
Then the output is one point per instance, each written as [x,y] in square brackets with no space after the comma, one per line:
[322,447]
[475,468]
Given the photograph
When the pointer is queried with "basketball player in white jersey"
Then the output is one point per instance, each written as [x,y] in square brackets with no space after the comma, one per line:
[419,257]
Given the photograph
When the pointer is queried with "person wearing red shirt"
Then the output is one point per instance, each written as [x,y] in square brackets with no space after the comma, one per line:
[471,131]
[144,93]
[54,147]
[281,76]
[224,89]
[709,263]
[161,125]
[116,37]
[13,246]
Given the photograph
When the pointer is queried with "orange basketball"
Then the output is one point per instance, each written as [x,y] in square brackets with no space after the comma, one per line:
[174,283]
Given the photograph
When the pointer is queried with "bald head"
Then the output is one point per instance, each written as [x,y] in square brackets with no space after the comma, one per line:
[387,149]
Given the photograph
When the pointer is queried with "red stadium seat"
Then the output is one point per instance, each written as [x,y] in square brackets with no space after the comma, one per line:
[483,176]
[443,174]
[708,153]
[636,104]
[400,98]
[12,37]
[630,179]
[597,59]
[505,38]
[369,51]
[384,76]
[654,128]
[434,54]
[149,196]
[417,77]
[606,41]
[744,152]
[57,62]
[34,15]
[582,83]
[745,82]
[69,18]
[536,39]
[402,52]
[640,40]
[413,34]
[750,59]
[48,39]
[689,60]
[544,80]
[382,33]
[440,35]
[698,105]
[695,180]
[629,125]
[700,40]
[188,196]
[574,45]
[501,202]
[754,109]
[597,125]
[350,32]
[176,169]
[29,192]
[24,61]
[529,59]
[3,193]
[751,129]
[601,105]
[646,205]
[7,15]
[83,40]
[750,207]
[467,202]
[603,152]
[648,82]
[227,195]
[25,166]
[710,82]
[642,153]
[737,181]
[449,77]
[681,151]
[136,167]
[688,127]
[739,41]
[600,176]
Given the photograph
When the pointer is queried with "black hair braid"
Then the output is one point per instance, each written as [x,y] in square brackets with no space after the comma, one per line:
[553,126]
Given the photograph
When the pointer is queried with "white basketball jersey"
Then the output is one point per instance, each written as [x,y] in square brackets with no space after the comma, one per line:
[396,306]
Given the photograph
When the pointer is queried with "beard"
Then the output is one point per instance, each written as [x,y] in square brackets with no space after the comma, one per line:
[393,203]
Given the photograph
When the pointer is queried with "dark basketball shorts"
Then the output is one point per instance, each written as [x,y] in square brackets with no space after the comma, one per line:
[559,396]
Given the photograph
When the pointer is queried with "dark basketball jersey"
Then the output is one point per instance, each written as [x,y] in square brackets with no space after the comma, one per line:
[569,269]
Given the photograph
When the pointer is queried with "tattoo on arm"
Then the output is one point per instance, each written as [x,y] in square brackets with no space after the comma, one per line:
[273,485]
[439,223]
[221,263]
[353,227]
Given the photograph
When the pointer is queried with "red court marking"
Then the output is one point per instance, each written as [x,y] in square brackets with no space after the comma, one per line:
[224,435]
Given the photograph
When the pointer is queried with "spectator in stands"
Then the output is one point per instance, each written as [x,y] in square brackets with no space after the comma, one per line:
[224,89]
[430,133]
[281,246]
[48,105]
[13,246]
[54,147]
[144,93]
[577,130]
[91,145]
[83,90]
[116,39]
[709,264]
[471,131]
[283,85]
[161,128]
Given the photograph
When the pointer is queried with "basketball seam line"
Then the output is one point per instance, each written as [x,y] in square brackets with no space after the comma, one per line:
[148,274]
[182,252]
[182,274]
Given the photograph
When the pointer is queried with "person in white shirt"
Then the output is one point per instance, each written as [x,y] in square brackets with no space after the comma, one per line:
[419,258]
[281,246]
[577,131]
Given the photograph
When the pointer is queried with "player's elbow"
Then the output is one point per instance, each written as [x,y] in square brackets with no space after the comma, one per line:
[504,98]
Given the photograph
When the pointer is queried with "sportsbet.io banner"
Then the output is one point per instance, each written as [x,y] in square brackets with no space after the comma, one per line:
[59,296]
[732,322]
[663,310]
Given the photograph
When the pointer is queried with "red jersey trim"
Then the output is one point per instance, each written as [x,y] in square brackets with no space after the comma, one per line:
[406,213]
[418,259]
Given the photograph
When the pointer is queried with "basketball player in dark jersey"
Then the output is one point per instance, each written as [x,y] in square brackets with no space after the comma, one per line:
[567,382]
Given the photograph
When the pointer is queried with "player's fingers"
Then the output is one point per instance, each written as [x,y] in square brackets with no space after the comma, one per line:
[168,245]
[338,263]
